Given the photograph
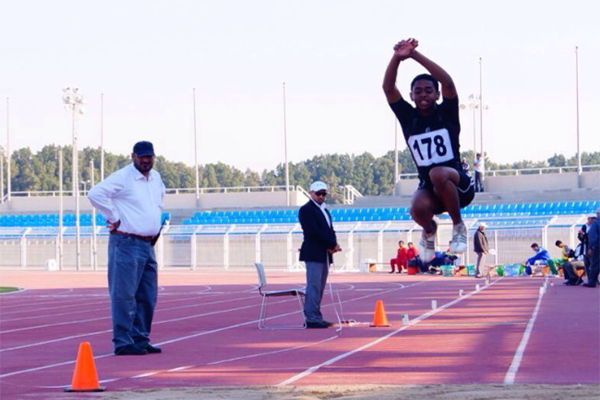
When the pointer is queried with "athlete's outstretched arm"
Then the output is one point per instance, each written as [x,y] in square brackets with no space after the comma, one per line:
[402,51]
[448,88]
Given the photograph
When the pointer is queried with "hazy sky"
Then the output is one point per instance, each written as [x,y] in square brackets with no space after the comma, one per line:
[146,56]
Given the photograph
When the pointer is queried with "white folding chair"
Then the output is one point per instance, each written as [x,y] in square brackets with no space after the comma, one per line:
[266,294]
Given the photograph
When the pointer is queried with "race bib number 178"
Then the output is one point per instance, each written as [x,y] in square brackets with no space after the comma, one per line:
[431,148]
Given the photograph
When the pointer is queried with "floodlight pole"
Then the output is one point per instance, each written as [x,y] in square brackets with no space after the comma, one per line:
[61,208]
[396,166]
[481,121]
[8,173]
[196,151]
[94,252]
[473,106]
[579,169]
[101,137]
[287,167]
[2,177]
[74,100]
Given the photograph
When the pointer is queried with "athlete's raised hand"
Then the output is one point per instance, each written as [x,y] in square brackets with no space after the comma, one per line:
[405,48]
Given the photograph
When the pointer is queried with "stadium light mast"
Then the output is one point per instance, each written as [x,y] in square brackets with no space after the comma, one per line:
[196,150]
[579,168]
[94,246]
[396,166]
[2,176]
[101,136]
[60,209]
[481,121]
[73,101]
[287,167]
[8,173]
[473,105]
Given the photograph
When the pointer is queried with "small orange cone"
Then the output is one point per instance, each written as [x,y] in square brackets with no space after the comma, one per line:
[85,378]
[379,319]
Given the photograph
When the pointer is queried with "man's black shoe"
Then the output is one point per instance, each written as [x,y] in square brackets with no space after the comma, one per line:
[588,285]
[318,325]
[130,350]
[153,349]
[579,281]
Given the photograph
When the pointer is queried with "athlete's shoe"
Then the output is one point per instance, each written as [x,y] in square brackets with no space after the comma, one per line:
[458,244]
[427,244]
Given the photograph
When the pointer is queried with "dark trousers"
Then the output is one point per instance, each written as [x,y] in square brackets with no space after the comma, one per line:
[586,265]
[133,286]
[594,266]
[478,182]
[570,272]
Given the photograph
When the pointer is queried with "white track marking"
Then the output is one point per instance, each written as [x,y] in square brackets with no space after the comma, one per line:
[511,374]
[182,338]
[333,360]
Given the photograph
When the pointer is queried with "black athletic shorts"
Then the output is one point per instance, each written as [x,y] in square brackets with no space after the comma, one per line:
[465,187]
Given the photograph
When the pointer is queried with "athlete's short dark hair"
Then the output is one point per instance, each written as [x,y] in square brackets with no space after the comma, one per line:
[558,243]
[425,77]
[534,245]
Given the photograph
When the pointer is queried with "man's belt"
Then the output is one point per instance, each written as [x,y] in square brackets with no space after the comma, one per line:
[144,238]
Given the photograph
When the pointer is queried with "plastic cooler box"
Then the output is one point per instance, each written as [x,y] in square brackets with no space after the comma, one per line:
[511,270]
[470,268]
[446,270]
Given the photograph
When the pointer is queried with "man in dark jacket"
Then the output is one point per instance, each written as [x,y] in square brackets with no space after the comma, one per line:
[317,251]
[480,246]
[594,251]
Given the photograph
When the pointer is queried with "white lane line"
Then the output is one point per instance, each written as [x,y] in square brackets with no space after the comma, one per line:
[78,322]
[333,360]
[273,351]
[511,374]
[182,338]
[203,369]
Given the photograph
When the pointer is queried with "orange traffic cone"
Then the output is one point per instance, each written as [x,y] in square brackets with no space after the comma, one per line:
[379,319]
[85,378]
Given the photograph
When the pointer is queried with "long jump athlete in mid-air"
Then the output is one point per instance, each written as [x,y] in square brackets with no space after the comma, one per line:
[432,134]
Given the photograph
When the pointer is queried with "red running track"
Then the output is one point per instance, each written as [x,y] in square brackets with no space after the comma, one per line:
[506,332]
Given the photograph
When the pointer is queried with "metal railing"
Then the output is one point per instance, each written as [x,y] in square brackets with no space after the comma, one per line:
[233,189]
[524,171]
[276,245]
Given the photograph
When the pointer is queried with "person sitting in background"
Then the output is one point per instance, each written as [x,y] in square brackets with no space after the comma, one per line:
[413,258]
[565,251]
[411,252]
[540,257]
[400,260]
[441,258]
[569,270]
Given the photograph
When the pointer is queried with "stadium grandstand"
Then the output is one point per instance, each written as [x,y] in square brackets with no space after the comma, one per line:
[231,229]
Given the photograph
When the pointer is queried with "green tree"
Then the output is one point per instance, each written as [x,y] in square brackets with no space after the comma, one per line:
[557,160]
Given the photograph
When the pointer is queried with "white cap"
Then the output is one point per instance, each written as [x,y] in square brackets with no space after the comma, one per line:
[482,224]
[592,216]
[318,185]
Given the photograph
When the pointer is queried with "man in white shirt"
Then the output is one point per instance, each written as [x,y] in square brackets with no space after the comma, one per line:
[131,201]
[478,168]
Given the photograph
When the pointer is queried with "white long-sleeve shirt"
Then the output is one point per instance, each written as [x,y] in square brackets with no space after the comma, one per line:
[322,207]
[128,196]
